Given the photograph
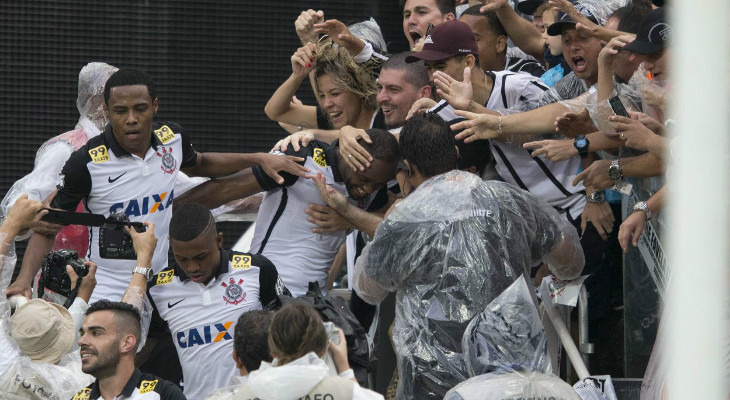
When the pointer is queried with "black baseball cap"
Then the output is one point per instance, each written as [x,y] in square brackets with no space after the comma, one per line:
[528,7]
[564,19]
[654,34]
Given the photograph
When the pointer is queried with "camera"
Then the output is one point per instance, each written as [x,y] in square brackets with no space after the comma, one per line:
[54,276]
[114,241]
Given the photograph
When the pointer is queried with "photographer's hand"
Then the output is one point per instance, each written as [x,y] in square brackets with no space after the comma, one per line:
[339,353]
[88,282]
[144,244]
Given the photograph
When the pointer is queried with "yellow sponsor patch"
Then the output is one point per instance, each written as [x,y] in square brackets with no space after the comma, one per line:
[147,386]
[83,394]
[99,154]
[319,157]
[165,134]
[165,277]
[241,262]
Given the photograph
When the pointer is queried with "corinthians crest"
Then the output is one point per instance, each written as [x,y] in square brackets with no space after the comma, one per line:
[168,162]
[234,293]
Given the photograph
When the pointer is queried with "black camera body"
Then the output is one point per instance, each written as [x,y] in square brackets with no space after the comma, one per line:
[54,276]
[114,241]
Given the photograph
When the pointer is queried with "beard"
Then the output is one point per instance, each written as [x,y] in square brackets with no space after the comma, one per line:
[105,364]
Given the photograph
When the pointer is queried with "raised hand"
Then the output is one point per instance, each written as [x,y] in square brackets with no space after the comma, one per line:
[304,25]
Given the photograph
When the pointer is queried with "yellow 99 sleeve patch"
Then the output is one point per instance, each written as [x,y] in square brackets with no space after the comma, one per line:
[147,386]
[165,277]
[83,394]
[99,154]
[241,261]
[319,157]
[165,134]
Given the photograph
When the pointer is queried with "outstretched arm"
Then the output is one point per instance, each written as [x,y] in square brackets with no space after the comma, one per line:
[219,164]
[216,192]
[520,30]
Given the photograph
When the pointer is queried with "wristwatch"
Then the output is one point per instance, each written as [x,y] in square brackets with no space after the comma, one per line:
[614,171]
[643,206]
[597,197]
[147,272]
[581,144]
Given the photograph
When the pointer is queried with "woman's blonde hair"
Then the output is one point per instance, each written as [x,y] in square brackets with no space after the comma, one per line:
[295,330]
[345,73]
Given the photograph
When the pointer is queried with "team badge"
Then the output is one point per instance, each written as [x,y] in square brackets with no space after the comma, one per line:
[147,386]
[168,163]
[165,134]
[99,154]
[165,277]
[83,394]
[241,262]
[234,292]
[319,157]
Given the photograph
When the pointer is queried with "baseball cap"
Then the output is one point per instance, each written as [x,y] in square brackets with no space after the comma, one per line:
[564,19]
[448,39]
[529,6]
[44,331]
[654,34]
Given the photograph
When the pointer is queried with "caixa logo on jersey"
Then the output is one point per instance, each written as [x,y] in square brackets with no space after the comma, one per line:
[207,334]
[145,205]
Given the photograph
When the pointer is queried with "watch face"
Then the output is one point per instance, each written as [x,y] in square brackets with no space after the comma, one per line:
[614,173]
[581,142]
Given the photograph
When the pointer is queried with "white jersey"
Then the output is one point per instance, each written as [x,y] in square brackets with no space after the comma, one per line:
[283,233]
[107,179]
[551,181]
[202,318]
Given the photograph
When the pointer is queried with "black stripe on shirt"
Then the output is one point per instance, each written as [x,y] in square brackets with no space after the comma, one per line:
[510,168]
[550,175]
[279,212]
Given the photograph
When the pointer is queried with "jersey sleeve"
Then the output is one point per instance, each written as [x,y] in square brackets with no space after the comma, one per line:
[169,391]
[75,181]
[190,156]
[270,283]
[268,183]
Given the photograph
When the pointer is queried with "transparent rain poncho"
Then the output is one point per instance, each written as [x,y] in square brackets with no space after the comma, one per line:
[513,385]
[20,377]
[449,249]
[52,154]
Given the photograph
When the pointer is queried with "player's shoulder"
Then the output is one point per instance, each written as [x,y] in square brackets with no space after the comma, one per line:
[164,277]
[167,131]
[243,261]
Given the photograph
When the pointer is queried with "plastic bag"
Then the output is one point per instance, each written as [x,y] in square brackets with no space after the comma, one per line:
[596,388]
[512,385]
[507,333]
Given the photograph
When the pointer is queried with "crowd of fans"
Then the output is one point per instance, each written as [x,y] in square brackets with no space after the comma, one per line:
[448,180]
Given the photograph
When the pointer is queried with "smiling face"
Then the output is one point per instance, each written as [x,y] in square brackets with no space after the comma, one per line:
[396,96]
[131,110]
[581,54]
[343,106]
[99,344]
[417,14]
[361,184]
[199,258]
[452,66]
